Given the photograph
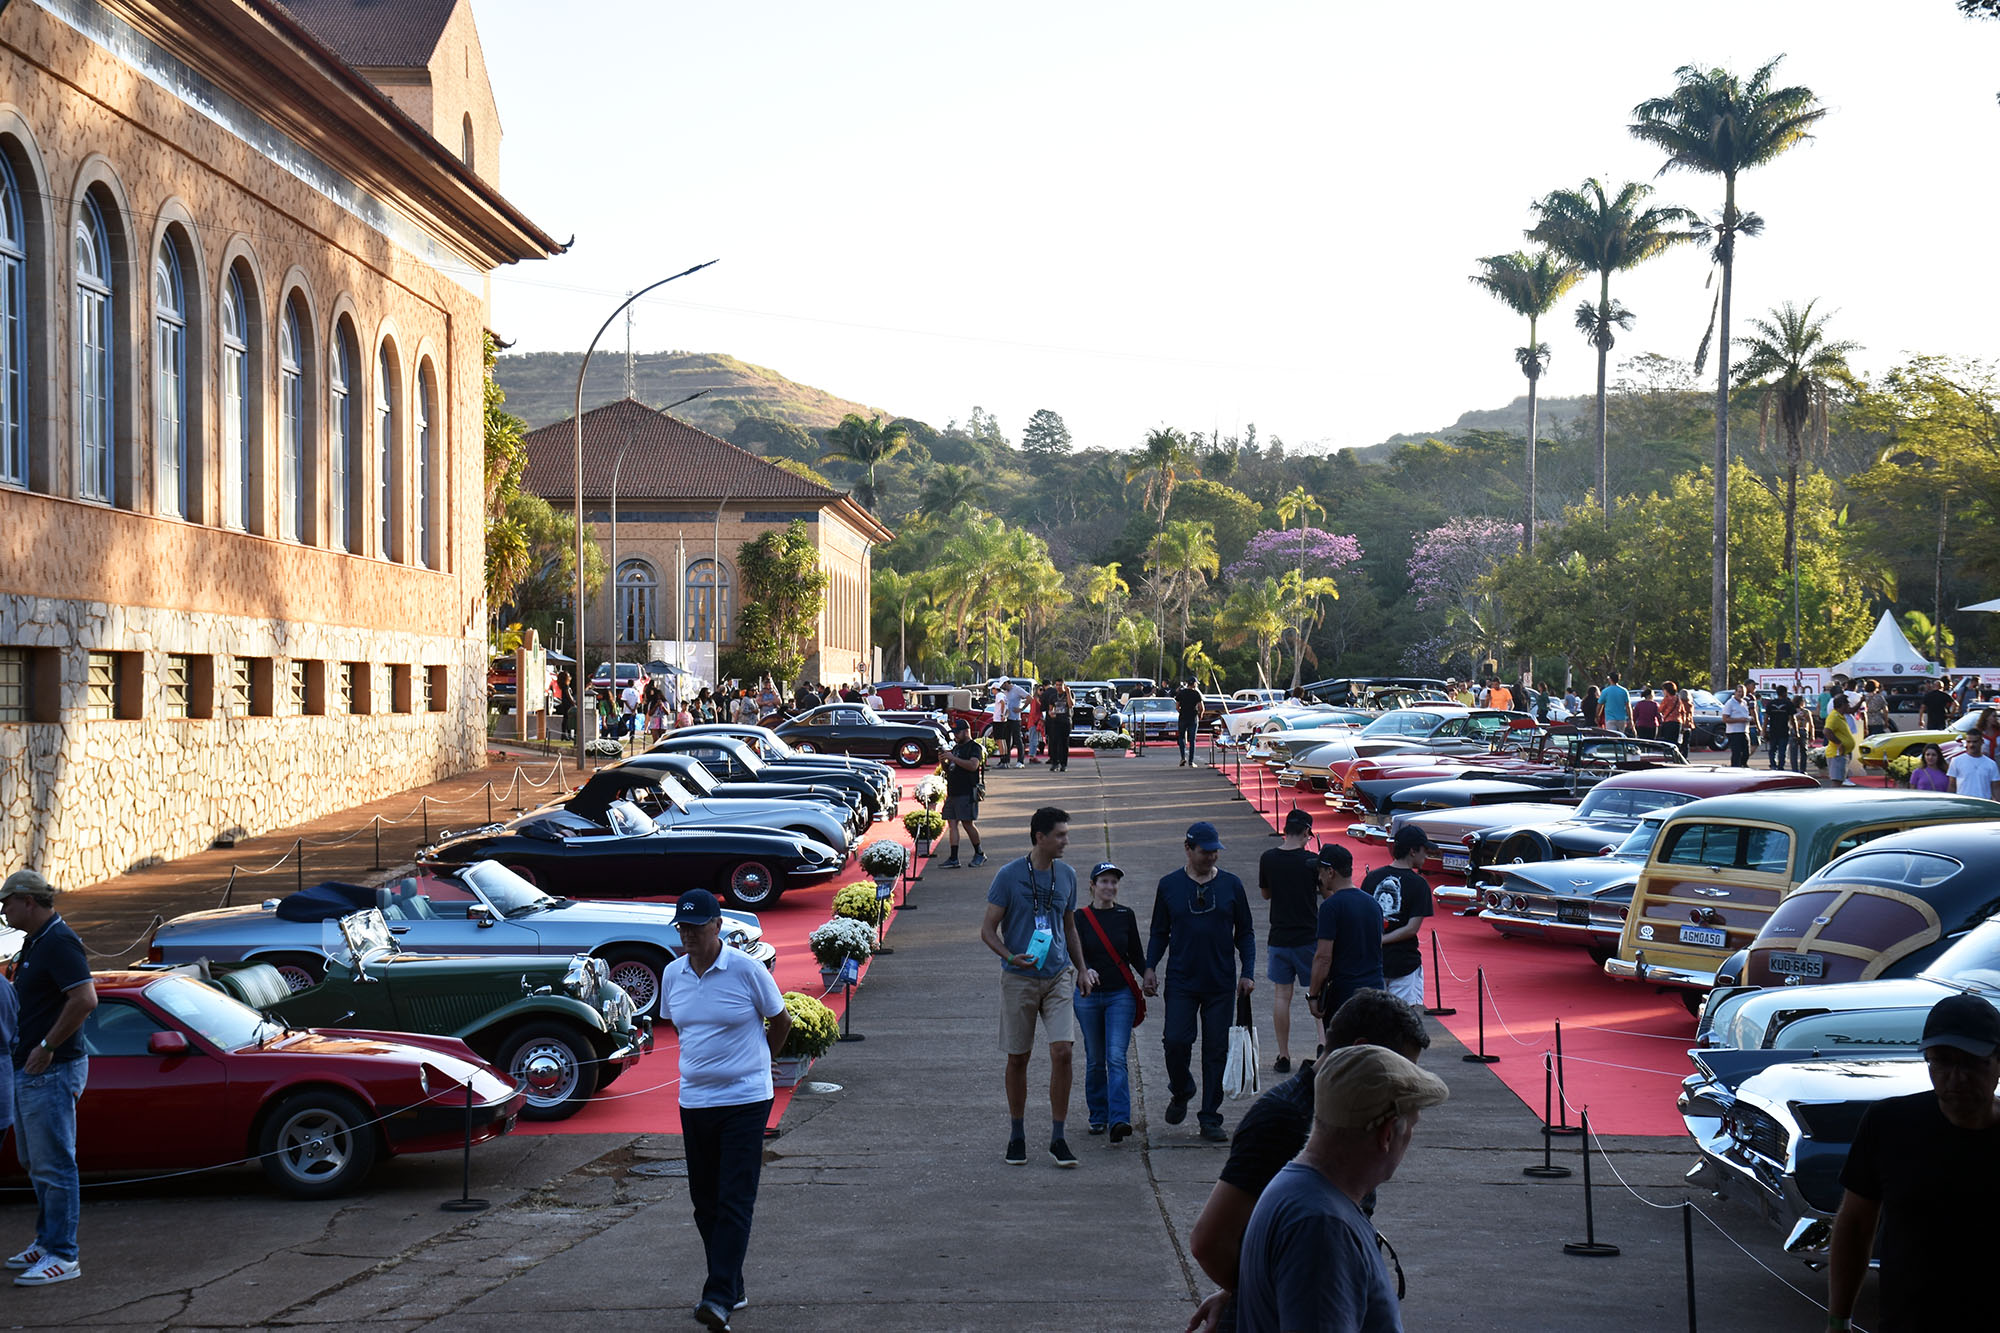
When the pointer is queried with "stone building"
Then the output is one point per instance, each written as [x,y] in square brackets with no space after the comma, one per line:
[684,495]
[241,431]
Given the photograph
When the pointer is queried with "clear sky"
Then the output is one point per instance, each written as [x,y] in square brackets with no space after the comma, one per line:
[1208,214]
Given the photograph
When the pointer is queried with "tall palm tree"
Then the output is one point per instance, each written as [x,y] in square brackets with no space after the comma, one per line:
[946,487]
[1790,356]
[1254,614]
[1529,285]
[1603,235]
[1159,462]
[900,595]
[1103,587]
[1298,503]
[864,444]
[1183,557]
[1720,125]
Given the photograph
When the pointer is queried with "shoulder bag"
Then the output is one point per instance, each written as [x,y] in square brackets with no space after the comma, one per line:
[1124,969]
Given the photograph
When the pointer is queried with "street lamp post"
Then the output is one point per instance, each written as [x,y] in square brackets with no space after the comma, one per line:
[582,625]
[617,466]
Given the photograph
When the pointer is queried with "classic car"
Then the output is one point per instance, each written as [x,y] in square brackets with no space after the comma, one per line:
[1708,730]
[933,706]
[559,1025]
[1479,842]
[1094,705]
[649,783]
[845,728]
[844,805]
[1435,729]
[754,754]
[1472,793]
[1349,690]
[1722,865]
[1152,719]
[185,1077]
[1875,752]
[1776,1135]
[1581,902]
[564,853]
[480,908]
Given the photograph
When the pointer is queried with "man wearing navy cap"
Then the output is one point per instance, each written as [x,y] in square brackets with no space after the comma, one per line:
[1926,1167]
[718,1000]
[1200,914]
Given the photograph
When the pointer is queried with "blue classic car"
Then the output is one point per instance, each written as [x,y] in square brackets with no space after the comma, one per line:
[482,908]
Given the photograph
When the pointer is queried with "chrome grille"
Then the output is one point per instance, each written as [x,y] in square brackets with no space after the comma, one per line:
[1759,1132]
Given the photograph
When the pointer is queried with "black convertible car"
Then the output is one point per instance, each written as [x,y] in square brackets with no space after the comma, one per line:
[565,854]
[699,779]
[856,729]
[732,759]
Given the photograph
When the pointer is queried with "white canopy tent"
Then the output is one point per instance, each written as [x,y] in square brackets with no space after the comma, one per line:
[1993,605]
[1886,654]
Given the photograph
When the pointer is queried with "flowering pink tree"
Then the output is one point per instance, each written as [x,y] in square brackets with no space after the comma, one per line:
[1448,569]
[1303,560]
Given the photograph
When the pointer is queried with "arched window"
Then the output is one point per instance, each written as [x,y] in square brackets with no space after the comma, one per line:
[340,463]
[170,376]
[385,451]
[13,332]
[95,426]
[638,600]
[291,426]
[705,591]
[236,405]
[426,530]
[465,152]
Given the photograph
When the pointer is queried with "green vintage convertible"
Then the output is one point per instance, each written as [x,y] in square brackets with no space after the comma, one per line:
[558,1025]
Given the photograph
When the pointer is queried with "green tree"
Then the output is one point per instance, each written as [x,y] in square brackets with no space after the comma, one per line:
[1183,559]
[1298,504]
[1254,615]
[1119,653]
[1604,235]
[772,438]
[865,444]
[946,487]
[547,593]
[1045,435]
[1159,464]
[1103,587]
[784,589]
[899,599]
[1529,285]
[1719,125]
[509,550]
[1797,368]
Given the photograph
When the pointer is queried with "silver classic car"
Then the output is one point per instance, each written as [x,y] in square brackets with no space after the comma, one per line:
[480,908]
[1581,901]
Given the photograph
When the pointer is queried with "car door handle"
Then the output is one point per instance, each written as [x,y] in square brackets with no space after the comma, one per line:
[399,930]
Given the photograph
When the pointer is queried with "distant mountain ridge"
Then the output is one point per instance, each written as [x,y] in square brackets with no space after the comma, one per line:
[541,388]
[1511,419]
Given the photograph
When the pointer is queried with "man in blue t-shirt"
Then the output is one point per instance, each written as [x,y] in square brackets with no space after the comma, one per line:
[1616,704]
[1031,924]
[1200,914]
[1348,955]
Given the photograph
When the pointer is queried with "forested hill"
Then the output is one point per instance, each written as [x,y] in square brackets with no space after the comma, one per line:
[1511,420]
[541,388]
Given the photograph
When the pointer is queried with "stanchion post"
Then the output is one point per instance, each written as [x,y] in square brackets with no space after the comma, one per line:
[1548,1170]
[1562,1125]
[847,1032]
[229,889]
[465,1203]
[375,827]
[424,804]
[1590,1247]
[1687,1252]
[1480,1057]
[1437,1010]
[299,866]
[489,800]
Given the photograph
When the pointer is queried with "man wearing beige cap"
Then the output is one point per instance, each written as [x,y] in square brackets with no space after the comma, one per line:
[1310,1260]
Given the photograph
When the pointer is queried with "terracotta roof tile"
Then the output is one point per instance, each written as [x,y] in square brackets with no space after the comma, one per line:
[397,34]
[667,459]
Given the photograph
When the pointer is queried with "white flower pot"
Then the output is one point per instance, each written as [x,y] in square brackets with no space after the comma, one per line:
[788,1070]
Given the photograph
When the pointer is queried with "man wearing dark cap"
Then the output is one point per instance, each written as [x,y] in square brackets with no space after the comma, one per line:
[1347,953]
[1310,1257]
[1405,896]
[961,791]
[1200,913]
[731,1021]
[1288,878]
[1926,1167]
[52,978]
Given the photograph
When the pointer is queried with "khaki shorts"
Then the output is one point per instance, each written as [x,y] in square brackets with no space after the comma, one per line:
[1022,998]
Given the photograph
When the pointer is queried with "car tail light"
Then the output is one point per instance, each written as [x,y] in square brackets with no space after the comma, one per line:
[1469,839]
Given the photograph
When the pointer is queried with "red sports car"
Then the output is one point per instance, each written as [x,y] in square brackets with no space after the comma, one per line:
[183,1076]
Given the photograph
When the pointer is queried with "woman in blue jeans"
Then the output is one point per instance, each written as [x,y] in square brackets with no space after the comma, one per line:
[1112,959]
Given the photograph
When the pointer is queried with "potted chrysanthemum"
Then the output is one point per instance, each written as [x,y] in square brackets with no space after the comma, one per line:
[815,1028]
[837,941]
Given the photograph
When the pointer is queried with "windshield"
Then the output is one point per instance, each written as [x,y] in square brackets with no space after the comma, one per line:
[1611,802]
[628,820]
[696,776]
[1973,961]
[1403,722]
[505,891]
[1639,841]
[220,1019]
[363,936]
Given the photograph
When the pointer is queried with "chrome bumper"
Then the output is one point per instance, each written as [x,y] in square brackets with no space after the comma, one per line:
[1638,969]
[1368,832]
[1727,1171]
[1550,929]
[1459,895]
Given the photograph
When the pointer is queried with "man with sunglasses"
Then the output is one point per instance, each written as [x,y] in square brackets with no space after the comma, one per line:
[1200,914]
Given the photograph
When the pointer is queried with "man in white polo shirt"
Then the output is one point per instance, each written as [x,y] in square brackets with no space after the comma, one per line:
[718,1000]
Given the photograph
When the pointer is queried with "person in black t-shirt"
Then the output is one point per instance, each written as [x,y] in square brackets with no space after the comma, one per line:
[1926,1168]
[1187,708]
[1107,1012]
[1405,897]
[1288,878]
[961,791]
[1937,704]
[1271,1133]
[1778,728]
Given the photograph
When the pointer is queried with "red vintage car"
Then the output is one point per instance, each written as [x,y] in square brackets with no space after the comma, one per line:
[185,1076]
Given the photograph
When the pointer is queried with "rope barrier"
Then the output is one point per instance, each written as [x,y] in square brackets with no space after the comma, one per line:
[119,953]
[1609,1064]
[1503,1022]
[1463,981]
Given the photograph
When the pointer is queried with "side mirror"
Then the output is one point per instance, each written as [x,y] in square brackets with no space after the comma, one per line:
[167,1043]
[481,914]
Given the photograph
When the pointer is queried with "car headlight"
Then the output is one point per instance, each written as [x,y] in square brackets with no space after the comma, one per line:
[586,977]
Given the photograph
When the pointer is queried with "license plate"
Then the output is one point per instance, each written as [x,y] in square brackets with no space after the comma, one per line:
[1456,860]
[1573,914]
[1702,935]
[1798,965]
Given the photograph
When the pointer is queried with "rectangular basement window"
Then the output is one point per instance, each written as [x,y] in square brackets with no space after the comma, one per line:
[29,685]
[399,688]
[357,680]
[434,689]
[111,687]
[250,686]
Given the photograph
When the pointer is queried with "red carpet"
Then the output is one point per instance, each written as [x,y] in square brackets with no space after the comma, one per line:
[1624,1045]
[646,1098]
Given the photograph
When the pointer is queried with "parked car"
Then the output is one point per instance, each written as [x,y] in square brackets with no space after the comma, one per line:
[564,853]
[773,749]
[845,728]
[737,759]
[1346,690]
[1875,752]
[1581,902]
[183,1077]
[479,908]
[1152,718]
[558,1025]
[1721,867]
[1094,706]
[651,785]
[697,778]
[628,673]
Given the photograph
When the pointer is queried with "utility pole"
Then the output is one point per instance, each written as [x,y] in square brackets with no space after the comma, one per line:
[631,379]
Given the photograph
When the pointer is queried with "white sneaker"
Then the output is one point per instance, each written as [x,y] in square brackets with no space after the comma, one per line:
[48,1271]
[27,1258]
